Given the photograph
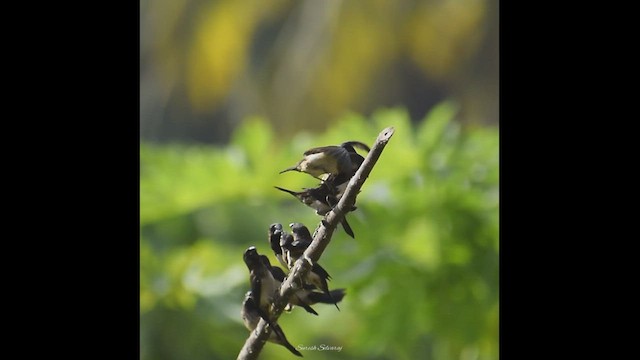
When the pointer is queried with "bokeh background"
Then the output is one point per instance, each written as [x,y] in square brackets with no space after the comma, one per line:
[232,92]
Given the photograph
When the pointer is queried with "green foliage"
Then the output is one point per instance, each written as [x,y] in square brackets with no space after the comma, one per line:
[421,275]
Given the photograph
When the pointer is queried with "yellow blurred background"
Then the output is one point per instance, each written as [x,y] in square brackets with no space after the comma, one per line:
[206,65]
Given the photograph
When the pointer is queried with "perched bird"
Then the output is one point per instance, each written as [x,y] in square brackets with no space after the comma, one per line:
[322,199]
[292,251]
[336,164]
[333,160]
[275,233]
[336,185]
[293,248]
[263,284]
[356,159]
[277,273]
[250,313]
[306,296]
[316,198]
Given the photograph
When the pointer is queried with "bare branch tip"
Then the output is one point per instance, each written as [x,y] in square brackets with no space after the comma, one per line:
[386,134]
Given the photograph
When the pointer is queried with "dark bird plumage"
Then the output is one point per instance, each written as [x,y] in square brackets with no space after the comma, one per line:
[263,284]
[305,296]
[293,248]
[251,316]
[336,165]
[274,235]
[322,199]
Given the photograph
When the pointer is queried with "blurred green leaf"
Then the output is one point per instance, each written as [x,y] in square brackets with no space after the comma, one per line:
[421,275]
[432,129]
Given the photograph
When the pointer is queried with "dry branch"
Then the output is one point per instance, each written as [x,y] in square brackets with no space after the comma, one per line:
[322,236]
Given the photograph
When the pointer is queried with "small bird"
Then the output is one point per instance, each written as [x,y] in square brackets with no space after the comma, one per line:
[292,251]
[250,313]
[333,160]
[263,284]
[306,296]
[275,233]
[322,199]
[277,273]
[293,248]
[316,198]
[356,159]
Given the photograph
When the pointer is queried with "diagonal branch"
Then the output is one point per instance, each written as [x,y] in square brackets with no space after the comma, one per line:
[322,237]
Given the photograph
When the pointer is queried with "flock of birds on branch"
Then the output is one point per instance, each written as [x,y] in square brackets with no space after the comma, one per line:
[334,166]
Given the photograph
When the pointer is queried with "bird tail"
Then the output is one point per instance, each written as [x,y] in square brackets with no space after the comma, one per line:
[282,340]
[357,144]
[285,190]
[307,307]
[334,296]
[289,169]
[347,228]
[334,301]
[292,349]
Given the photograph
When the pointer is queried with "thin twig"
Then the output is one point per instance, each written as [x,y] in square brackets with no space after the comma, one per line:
[322,237]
